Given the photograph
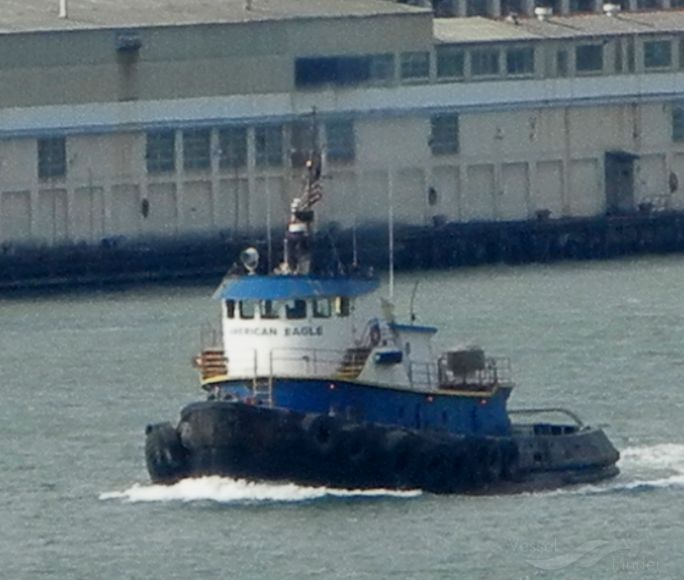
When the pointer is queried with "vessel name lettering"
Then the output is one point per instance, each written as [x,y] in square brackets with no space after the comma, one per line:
[304,331]
[255,331]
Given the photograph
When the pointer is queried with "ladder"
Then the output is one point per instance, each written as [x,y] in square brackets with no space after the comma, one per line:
[353,362]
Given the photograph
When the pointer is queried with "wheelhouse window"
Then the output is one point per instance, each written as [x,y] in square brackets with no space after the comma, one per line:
[196,149]
[230,308]
[232,143]
[340,140]
[268,145]
[450,62]
[295,309]
[321,308]
[520,61]
[657,54]
[51,157]
[160,151]
[678,122]
[444,138]
[484,62]
[270,309]
[415,66]
[342,306]
[589,58]
[247,309]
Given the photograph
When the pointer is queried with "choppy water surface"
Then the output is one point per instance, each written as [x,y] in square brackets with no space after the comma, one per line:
[83,372]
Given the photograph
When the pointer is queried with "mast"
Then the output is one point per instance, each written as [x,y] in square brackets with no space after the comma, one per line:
[299,235]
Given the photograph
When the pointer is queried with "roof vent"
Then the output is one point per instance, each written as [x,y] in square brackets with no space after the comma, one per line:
[611,9]
[543,13]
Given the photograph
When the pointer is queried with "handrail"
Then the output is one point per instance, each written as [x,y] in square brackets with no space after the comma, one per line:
[539,410]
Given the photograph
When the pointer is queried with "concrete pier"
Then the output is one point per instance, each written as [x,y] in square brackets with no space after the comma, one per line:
[445,245]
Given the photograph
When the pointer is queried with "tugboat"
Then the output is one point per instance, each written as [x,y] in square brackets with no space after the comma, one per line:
[301,389]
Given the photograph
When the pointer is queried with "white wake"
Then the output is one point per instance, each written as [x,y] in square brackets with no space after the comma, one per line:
[642,468]
[225,490]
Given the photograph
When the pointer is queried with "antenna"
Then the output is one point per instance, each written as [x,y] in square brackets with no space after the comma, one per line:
[390,225]
[413,298]
[269,237]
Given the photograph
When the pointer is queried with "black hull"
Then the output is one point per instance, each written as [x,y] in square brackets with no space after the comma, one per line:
[269,444]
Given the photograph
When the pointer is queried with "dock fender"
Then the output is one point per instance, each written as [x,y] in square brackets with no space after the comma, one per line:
[165,455]
[402,458]
[323,432]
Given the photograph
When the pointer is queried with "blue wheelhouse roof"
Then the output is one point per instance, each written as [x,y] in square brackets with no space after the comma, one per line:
[291,287]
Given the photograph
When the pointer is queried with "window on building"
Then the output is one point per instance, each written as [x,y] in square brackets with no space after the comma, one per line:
[520,61]
[484,62]
[562,63]
[415,65]
[268,145]
[681,53]
[648,4]
[589,58]
[343,70]
[381,68]
[340,140]
[444,134]
[450,62]
[618,56]
[630,55]
[161,151]
[196,149]
[678,122]
[302,142]
[232,143]
[51,157]
[657,54]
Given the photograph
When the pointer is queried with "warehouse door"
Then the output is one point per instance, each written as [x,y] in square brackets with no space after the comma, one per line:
[619,166]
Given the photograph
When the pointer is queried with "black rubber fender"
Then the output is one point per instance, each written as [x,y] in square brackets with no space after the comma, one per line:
[323,432]
[489,461]
[166,458]
[510,460]
[402,458]
[438,468]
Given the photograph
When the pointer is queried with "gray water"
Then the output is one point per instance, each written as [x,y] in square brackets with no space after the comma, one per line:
[84,372]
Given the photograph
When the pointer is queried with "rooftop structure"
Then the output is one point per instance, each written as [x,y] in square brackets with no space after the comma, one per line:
[44,15]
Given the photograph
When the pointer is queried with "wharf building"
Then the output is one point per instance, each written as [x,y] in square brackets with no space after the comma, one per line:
[146,121]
